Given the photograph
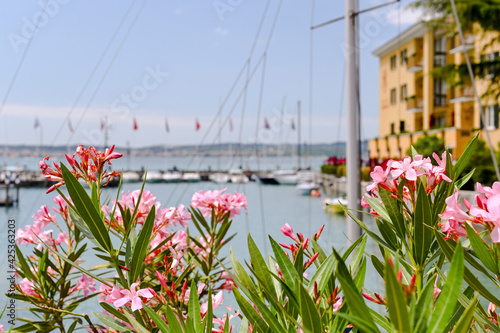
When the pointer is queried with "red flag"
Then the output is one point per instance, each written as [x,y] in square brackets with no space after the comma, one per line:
[230,124]
[103,125]
[197,125]
[266,124]
[135,125]
[71,129]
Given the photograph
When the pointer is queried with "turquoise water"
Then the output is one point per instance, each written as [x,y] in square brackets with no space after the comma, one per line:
[269,207]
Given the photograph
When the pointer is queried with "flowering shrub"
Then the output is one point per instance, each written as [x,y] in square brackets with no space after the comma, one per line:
[168,280]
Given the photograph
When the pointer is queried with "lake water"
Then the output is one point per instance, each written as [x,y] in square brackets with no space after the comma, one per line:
[269,207]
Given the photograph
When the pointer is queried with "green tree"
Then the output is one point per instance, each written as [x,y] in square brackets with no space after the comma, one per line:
[484,170]
[427,145]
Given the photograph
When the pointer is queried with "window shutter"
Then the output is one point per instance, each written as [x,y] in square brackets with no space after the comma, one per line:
[495,111]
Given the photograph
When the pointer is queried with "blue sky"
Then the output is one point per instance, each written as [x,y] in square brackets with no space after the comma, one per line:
[178,61]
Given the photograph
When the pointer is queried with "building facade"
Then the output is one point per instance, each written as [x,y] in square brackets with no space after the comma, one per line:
[413,102]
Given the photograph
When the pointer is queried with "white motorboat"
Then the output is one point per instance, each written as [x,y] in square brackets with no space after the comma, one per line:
[334,205]
[237,176]
[153,176]
[219,177]
[305,188]
[172,177]
[131,177]
[191,177]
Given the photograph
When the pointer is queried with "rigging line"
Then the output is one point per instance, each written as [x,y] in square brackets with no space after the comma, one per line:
[94,70]
[227,96]
[261,196]
[311,71]
[210,127]
[478,99]
[341,104]
[21,62]
[96,90]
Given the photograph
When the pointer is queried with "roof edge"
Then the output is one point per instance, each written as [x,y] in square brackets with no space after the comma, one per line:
[416,30]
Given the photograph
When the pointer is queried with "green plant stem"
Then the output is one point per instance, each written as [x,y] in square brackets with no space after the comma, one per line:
[419,282]
[84,315]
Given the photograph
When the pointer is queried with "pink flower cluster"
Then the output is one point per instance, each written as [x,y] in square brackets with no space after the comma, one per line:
[221,203]
[409,170]
[485,212]
[33,233]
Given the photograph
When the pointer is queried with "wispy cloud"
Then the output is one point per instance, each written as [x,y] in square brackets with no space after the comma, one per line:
[403,15]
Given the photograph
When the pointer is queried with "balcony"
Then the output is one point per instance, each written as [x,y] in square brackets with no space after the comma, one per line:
[469,45]
[414,105]
[463,94]
[414,64]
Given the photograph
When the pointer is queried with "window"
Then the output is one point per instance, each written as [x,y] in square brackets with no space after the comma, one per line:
[404,58]
[392,128]
[489,69]
[440,121]
[491,117]
[439,92]
[393,62]
[440,51]
[402,126]
[403,93]
[393,96]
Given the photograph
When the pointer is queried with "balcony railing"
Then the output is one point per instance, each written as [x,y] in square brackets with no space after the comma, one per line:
[414,63]
[414,105]
[463,94]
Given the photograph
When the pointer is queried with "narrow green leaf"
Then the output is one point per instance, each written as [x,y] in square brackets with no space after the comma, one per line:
[138,327]
[323,274]
[359,322]
[310,316]
[465,321]
[243,326]
[241,275]
[86,209]
[81,226]
[465,157]
[173,321]
[112,322]
[396,302]
[379,208]
[423,307]
[194,308]
[160,323]
[359,279]
[462,181]
[449,295]
[287,269]
[259,265]
[393,208]
[250,313]
[352,294]
[481,250]
[141,247]
[358,255]
[422,234]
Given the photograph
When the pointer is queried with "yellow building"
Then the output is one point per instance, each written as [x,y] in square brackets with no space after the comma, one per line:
[414,103]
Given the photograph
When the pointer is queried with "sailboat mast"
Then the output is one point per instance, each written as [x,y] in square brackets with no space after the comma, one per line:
[299,153]
[353,118]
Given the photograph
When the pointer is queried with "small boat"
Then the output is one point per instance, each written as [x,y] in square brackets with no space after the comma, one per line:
[219,177]
[172,177]
[305,188]
[191,177]
[153,176]
[237,176]
[131,177]
[334,205]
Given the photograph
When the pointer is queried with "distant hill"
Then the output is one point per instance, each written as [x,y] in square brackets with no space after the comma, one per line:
[223,149]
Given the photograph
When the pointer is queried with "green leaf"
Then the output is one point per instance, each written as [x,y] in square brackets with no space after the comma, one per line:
[464,323]
[359,322]
[462,181]
[423,307]
[379,208]
[173,321]
[358,255]
[287,269]
[243,326]
[449,295]
[259,265]
[112,322]
[23,265]
[141,247]
[469,277]
[250,313]
[393,209]
[352,293]
[323,274]
[372,234]
[481,250]
[241,275]
[310,316]
[422,234]
[194,308]
[86,209]
[160,323]
[465,157]
[359,279]
[138,327]
[396,302]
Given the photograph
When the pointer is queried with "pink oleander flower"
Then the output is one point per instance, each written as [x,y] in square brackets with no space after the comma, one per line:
[437,291]
[222,322]
[28,288]
[86,283]
[216,301]
[287,230]
[43,217]
[188,292]
[337,305]
[62,238]
[132,296]
[177,215]
[222,203]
